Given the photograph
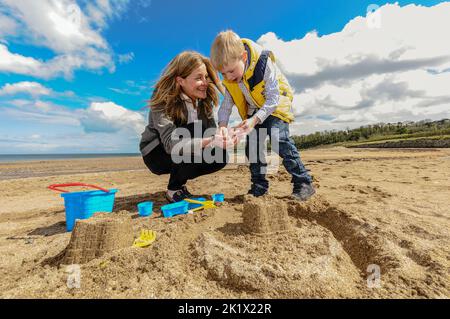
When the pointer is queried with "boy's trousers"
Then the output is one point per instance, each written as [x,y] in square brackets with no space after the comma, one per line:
[283,145]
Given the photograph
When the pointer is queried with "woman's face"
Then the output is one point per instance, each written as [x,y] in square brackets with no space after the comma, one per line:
[195,85]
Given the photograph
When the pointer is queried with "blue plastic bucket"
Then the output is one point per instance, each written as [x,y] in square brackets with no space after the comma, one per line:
[82,205]
[145,209]
[174,209]
[218,197]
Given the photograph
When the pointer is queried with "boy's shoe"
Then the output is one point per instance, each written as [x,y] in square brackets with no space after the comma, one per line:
[305,192]
[257,191]
[178,196]
[185,190]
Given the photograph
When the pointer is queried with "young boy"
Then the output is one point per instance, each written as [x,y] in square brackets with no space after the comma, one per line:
[263,97]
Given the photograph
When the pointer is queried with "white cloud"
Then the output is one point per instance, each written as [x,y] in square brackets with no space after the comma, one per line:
[99,11]
[134,88]
[126,58]
[16,63]
[144,3]
[125,91]
[362,74]
[39,112]
[99,117]
[60,65]
[48,127]
[59,25]
[31,88]
[72,32]
[76,142]
[8,26]
[109,117]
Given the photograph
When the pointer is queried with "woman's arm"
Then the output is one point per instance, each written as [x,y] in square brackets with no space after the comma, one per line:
[166,128]
[207,141]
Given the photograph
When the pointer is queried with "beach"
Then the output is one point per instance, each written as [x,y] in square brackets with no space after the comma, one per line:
[378,227]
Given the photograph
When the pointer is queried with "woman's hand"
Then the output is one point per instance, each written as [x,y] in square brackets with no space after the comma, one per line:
[223,141]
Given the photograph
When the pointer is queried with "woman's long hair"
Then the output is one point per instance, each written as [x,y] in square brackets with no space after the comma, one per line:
[166,95]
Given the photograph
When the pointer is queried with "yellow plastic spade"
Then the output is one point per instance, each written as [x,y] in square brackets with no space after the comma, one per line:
[205,205]
[146,238]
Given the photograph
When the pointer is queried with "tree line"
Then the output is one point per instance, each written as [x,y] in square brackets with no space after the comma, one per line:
[375,132]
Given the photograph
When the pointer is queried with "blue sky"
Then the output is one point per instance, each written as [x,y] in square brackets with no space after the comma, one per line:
[77,74]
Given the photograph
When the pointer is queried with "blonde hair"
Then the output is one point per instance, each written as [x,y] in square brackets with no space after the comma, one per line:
[226,48]
[166,94]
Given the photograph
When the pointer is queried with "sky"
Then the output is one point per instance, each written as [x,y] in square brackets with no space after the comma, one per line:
[75,75]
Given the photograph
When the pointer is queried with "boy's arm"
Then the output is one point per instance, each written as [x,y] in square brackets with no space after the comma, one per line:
[225,110]
[272,92]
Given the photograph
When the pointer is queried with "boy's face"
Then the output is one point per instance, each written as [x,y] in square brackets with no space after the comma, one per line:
[234,71]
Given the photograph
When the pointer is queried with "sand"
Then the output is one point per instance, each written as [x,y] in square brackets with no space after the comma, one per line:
[94,237]
[375,210]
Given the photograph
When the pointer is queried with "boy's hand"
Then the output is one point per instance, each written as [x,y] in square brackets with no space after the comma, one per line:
[248,125]
[223,131]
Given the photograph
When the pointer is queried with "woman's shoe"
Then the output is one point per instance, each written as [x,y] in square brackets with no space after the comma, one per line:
[257,191]
[185,190]
[178,196]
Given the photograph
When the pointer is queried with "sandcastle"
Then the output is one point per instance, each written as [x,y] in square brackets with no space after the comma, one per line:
[265,215]
[92,238]
[277,255]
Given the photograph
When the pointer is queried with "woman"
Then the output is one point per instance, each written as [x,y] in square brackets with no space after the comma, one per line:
[183,99]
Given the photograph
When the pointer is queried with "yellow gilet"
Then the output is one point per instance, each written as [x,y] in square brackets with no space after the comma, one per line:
[253,79]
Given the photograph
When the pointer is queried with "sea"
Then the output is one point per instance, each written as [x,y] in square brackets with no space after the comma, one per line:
[12,158]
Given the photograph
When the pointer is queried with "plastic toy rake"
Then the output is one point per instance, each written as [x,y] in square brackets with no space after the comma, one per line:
[204,204]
